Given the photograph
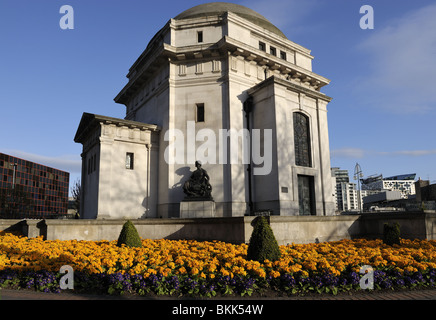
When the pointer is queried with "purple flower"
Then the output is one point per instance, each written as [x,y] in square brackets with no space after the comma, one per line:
[399,282]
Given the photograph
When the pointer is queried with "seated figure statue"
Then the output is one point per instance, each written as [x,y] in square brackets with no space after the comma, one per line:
[198,185]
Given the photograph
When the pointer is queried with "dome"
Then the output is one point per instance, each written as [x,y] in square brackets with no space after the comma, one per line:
[216,8]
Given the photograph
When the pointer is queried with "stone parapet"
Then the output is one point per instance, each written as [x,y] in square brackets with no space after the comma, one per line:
[289,229]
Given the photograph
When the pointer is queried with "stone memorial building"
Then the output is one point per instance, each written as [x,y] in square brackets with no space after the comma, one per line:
[220,84]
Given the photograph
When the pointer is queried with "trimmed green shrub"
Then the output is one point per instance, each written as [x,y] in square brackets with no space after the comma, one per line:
[391,234]
[263,244]
[129,236]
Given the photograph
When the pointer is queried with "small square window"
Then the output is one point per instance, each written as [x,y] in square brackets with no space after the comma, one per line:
[200,36]
[262,46]
[129,160]
[200,112]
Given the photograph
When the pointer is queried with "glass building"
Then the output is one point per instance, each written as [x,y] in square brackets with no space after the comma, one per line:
[31,190]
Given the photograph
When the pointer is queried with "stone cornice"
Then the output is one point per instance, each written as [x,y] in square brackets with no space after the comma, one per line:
[290,86]
[91,122]
[268,35]
[238,48]
[159,53]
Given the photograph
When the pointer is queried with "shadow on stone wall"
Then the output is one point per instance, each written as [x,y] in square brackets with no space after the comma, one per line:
[413,225]
[298,229]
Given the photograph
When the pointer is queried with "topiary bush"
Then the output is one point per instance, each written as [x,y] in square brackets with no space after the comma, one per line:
[263,244]
[391,234]
[129,236]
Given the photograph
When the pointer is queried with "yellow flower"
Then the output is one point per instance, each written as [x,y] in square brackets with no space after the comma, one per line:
[194,271]
[224,272]
[205,258]
[182,270]
[261,273]
[275,274]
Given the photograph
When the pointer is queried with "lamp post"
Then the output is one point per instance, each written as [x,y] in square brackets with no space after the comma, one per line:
[357,175]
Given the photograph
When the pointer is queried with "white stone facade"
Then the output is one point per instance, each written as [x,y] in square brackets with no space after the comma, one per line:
[215,57]
[110,189]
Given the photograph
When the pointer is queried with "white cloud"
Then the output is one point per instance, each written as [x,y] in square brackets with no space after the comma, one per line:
[411,153]
[69,163]
[357,153]
[402,63]
[354,153]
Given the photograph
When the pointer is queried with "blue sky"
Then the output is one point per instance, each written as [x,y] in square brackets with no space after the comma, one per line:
[382,80]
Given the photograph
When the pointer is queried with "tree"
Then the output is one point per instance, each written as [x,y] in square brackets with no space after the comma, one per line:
[129,236]
[391,234]
[263,244]
[76,192]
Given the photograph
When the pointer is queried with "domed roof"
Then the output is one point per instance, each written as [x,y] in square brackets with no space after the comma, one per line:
[215,8]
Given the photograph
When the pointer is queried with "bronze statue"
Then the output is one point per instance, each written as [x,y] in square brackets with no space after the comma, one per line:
[198,186]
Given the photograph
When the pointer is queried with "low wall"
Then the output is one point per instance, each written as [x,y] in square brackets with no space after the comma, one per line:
[10,225]
[309,229]
[297,229]
[413,225]
[226,229]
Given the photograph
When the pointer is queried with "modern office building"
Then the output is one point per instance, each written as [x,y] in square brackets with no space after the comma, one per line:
[31,190]
[402,183]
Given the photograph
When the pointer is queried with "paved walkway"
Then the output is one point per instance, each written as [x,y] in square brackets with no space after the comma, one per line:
[378,296]
[430,294]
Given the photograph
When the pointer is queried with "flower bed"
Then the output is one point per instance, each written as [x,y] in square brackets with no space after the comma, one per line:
[166,267]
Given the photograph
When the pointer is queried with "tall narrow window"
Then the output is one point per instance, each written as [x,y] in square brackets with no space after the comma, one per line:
[200,36]
[200,112]
[302,140]
[129,160]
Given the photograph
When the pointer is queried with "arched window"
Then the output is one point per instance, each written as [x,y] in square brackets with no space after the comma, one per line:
[302,140]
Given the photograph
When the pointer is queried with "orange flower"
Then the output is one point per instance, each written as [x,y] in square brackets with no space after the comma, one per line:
[181,270]
[274,274]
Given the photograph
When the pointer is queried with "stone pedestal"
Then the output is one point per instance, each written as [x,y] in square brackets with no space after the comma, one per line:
[197,209]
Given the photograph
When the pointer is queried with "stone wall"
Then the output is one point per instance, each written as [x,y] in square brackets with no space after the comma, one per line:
[293,229]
